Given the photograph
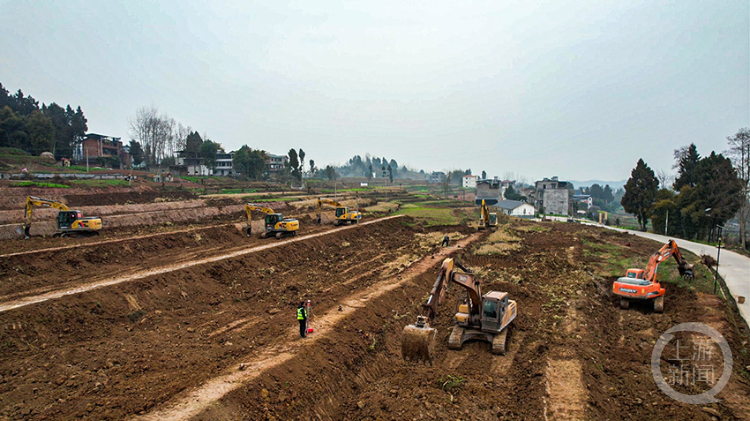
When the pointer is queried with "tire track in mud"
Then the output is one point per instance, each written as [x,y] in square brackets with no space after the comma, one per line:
[197,400]
[36,299]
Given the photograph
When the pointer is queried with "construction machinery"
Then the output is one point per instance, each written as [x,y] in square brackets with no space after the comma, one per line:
[643,285]
[275,223]
[70,223]
[487,220]
[344,215]
[483,317]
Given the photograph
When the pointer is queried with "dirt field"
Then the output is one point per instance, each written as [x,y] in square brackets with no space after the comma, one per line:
[157,325]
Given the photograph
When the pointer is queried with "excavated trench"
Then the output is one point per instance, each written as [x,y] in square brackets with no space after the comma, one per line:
[170,346]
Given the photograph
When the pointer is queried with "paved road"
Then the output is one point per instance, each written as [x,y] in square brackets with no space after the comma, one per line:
[733,267]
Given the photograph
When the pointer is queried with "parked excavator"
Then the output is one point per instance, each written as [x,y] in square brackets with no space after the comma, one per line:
[70,223]
[487,220]
[276,224]
[643,285]
[484,317]
[344,215]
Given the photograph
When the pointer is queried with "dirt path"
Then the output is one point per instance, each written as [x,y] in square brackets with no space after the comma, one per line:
[197,400]
[36,299]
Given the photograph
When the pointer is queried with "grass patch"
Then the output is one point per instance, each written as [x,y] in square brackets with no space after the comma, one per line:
[39,184]
[431,216]
[99,183]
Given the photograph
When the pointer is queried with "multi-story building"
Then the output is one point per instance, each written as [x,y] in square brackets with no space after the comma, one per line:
[437,177]
[469,181]
[224,164]
[275,164]
[552,196]
[489,190]
[96,145]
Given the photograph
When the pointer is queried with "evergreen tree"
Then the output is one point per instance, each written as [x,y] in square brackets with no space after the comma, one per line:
[640,193]
[687,160]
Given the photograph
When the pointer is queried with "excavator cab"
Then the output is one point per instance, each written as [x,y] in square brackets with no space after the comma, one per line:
[341,212]
[635,273]
[272,219]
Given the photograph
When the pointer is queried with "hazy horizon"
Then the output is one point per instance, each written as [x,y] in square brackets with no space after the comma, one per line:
[575,89]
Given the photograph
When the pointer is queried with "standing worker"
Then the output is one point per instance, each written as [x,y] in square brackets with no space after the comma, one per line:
[302,319]
[446,241]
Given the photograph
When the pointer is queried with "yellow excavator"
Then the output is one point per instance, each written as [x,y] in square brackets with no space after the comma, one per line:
[70,223]
[344,215]
[276,224]
[483,317]
[487,220]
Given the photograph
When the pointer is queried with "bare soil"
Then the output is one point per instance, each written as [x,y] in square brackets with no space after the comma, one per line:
[170,346]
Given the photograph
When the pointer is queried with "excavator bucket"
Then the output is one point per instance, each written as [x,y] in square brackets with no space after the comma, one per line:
[418,342]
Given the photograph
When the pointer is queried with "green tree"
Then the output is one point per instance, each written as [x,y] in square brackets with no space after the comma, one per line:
[739,152]
[330,172]
[390,173]
[511,194]
[208,151]
[665,213]
[369,172]
[193,144]
[687,160]
[41,133]
[719,189]
[136,152]
[312,168]
[294,164]
[640,193]
[301,161]
[249,163]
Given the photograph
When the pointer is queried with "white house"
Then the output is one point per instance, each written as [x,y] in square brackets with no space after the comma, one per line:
[517,208]
[470,181]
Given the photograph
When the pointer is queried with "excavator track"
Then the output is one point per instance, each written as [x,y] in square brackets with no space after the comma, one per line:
[659,304]
[500,342]
[624,303]
[456,340]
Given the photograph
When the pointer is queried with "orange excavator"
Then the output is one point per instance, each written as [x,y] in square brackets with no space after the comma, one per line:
[482,317]
[643,285]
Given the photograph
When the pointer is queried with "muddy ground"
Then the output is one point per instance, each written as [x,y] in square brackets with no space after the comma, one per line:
[170,346]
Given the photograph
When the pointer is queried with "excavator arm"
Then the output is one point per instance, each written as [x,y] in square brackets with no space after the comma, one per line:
[465,279]
[322,202]
[249,207]
[669,249]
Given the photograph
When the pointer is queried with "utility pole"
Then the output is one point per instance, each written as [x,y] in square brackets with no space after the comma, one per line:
[718,252]
[667,224]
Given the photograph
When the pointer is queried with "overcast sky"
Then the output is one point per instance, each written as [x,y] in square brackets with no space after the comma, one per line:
[576,89]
